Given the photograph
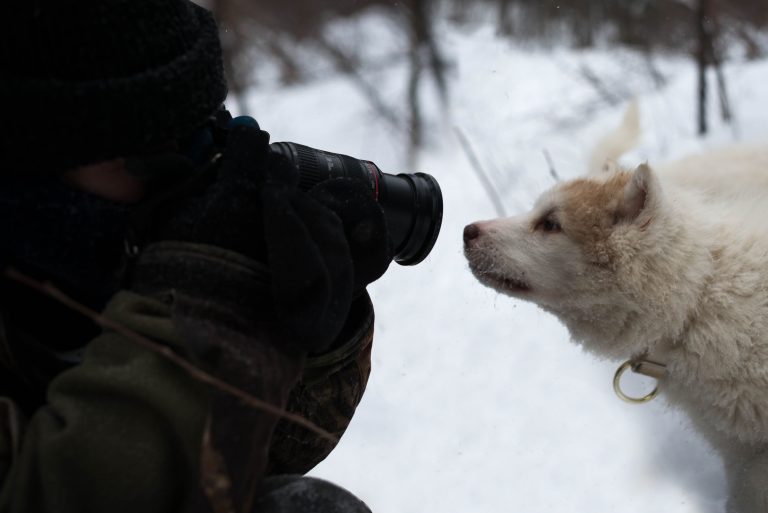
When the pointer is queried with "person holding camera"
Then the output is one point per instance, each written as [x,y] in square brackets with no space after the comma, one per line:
[228,292]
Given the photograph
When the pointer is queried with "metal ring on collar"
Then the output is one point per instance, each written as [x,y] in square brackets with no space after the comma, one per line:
[631,364]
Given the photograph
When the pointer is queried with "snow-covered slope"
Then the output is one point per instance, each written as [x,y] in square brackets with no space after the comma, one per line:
[477,402]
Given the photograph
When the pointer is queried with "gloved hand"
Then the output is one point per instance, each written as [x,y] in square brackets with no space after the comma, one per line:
[320,247]
[364,226]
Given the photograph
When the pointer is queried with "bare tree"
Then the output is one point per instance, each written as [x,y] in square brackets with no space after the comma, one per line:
[424,54]
[281,31]
[707,55]
[276,29]
[702,9]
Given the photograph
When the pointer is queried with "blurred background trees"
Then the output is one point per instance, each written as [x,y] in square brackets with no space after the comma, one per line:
[291,34]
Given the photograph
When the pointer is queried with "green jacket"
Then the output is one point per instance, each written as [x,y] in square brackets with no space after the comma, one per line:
[129,430]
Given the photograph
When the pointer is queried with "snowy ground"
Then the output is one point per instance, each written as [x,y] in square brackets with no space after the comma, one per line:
[477,402]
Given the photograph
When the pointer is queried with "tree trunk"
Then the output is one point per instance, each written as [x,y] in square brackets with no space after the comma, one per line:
[701,58]
[713,32]
[424,53]
[505,18]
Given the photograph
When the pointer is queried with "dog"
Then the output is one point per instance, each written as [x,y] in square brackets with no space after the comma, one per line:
[667,264]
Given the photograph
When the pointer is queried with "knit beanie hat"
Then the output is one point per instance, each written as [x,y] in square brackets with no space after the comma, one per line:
[83,81]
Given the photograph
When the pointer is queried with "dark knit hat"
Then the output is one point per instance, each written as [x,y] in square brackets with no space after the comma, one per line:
[88,80]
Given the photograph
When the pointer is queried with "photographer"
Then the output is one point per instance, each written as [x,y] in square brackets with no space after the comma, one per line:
[124,185]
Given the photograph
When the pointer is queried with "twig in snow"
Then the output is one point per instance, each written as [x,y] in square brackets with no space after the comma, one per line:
[610,97]
[481,175]
[551,165]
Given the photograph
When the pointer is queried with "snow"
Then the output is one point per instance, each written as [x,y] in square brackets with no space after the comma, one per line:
[478,402]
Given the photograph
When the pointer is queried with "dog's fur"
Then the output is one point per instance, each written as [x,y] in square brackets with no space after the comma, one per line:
[673,263]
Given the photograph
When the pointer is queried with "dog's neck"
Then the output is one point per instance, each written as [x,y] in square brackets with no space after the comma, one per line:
[662,284]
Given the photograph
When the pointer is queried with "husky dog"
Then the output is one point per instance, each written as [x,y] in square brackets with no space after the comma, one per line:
[670,263]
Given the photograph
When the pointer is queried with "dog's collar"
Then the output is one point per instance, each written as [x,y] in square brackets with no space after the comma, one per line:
[649,364]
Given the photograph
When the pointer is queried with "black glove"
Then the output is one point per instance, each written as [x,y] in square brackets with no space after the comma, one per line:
[250,204]
[365,227]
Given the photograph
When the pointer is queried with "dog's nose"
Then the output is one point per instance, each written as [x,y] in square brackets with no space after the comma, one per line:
[471,232]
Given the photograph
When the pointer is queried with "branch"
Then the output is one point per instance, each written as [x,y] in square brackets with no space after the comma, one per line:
[481,175]
[346,65]
[552,170]
[592,79]
[51,291]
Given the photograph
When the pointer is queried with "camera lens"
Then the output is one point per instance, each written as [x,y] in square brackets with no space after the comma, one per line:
[412,203]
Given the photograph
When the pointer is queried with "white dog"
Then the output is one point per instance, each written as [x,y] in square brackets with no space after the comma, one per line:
[670,266]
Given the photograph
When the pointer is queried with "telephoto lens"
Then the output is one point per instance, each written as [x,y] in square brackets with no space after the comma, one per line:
[412,203]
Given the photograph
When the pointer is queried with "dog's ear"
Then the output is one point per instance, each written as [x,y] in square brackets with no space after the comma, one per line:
[642,195]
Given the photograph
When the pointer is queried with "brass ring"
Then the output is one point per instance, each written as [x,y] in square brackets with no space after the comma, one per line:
[624,397]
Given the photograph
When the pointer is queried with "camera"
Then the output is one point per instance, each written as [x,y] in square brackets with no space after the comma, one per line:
[412,203]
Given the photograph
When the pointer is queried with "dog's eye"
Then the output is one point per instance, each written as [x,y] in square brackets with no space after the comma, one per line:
[549,225]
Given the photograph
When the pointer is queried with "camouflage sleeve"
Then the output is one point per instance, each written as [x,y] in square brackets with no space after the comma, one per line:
[328,393]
